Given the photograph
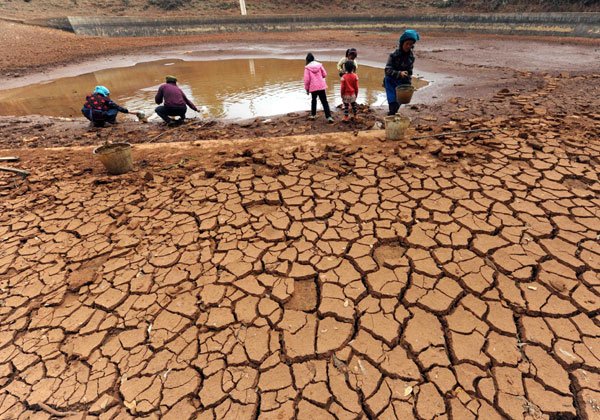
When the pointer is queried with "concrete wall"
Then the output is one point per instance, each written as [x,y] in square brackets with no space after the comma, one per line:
[563,24]
[64,24]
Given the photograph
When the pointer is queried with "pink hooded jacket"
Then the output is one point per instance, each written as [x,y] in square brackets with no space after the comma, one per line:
[314,77]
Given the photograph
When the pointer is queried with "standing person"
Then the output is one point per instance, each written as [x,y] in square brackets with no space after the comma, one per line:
[315,85]
[100,109]
[351,55]
[174,101]
[399,68]
[349,89]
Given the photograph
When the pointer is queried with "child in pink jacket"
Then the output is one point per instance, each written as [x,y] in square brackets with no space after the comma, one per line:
[314,83]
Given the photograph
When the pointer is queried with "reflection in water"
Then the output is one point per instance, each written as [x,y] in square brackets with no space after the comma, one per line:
[241,88]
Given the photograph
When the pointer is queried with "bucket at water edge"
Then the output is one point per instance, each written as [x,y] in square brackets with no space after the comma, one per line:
[395,126]
[404,94]
[116,157]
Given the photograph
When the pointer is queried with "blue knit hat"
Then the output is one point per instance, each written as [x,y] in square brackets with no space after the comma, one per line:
[409,34]
[102,90]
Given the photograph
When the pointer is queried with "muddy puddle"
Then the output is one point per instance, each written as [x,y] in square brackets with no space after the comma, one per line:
[230,89]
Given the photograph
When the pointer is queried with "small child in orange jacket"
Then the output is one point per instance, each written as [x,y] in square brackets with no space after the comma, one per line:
[349,89]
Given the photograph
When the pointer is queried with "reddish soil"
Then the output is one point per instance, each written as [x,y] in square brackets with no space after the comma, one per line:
[295,269]
[209,8]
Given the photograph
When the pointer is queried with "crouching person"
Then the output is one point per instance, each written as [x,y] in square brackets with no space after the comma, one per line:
[174,102]
[100,109]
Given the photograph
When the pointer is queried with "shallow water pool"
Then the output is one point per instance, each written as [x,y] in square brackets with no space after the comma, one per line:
[230,89]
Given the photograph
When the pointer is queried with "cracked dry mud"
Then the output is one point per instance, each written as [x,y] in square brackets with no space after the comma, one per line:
[344,278]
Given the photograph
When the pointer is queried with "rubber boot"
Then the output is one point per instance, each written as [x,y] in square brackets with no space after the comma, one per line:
[394,107]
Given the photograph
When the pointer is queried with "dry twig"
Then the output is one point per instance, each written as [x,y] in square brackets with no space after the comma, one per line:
[15,171]
[451,133]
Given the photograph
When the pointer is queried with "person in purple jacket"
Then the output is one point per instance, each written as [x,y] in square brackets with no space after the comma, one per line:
[174,102]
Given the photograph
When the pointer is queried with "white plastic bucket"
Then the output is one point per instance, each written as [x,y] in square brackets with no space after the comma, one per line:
[396,126]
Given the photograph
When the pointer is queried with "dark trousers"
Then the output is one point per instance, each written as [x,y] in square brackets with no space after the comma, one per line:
[165,112]
[390,85]
[100,117]
[323,98]
[347,105]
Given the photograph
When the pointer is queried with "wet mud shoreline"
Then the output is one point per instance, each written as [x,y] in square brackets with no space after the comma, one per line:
[473,67]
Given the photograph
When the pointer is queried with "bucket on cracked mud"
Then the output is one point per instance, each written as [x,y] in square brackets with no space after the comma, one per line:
[116,157]
[396,126]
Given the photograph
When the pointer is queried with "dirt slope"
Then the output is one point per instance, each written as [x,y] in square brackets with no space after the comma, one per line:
[19,9]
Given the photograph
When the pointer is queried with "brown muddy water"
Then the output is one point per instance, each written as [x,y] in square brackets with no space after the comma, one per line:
[229,89]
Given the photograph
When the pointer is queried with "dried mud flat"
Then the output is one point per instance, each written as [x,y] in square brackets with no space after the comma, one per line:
[293,269]
[328,276]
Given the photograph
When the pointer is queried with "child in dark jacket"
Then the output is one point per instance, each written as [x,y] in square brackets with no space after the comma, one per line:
[349,89]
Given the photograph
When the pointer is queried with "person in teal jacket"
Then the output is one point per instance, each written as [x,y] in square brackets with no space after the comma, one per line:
[399,68]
